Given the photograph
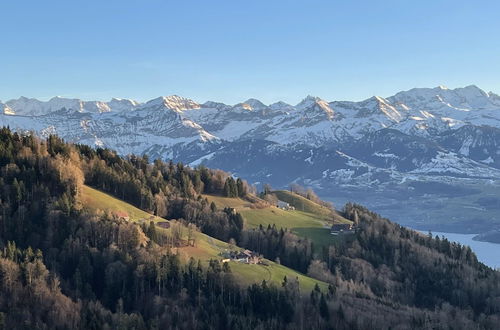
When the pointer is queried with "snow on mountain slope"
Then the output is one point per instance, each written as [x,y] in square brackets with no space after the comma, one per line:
[281,106]
[120,105]
[32,107]
[173,102]
[479,143]
[5,109]
[127,132]
[420,111]
[441,98]
[449,163]
[457,107]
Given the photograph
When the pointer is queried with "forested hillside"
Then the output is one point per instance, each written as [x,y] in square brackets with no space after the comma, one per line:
[66,266]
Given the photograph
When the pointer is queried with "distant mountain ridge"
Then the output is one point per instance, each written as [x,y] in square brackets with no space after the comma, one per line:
[174,120]
[450,136]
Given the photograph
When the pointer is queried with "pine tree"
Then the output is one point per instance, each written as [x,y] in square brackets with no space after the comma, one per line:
[227,189]
[323,308]
[198,183]
[16,192]
[232,187]
[241,188]
[152,232]
[213,207]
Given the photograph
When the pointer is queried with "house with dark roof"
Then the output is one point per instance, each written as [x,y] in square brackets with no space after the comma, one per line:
[163,224]
[246,256]
[342,229]
[284,206]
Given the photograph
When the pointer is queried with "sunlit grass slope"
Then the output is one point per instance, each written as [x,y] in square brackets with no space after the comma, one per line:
[96,199]
[309,219]
[206,247]
[210,248]
[303,204]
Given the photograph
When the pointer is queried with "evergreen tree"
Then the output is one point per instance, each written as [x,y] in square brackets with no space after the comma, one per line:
[323,308]
[152,232]
[227,189]
[241,188]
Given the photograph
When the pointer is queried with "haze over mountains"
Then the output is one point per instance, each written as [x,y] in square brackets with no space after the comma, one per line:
[430,147]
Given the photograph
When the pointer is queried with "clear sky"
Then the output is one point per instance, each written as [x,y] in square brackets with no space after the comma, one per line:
[233,50]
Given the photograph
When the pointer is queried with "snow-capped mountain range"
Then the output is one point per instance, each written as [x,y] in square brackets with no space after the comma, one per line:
[168,124]
[423,134]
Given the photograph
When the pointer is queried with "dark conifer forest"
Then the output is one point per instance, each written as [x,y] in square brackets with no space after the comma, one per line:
[65,266]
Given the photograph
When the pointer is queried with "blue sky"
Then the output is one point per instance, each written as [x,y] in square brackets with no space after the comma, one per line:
[233,50]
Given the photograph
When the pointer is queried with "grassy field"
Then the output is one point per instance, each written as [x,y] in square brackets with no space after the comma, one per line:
[301,223]
[281,218]
[303,204]
[236,203]
[313,221]
[209,248]
[98,200]
[206,247]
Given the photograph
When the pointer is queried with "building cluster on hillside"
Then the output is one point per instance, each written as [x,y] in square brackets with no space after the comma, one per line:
[284,206]
[122,215]
[246,256]
[343,229]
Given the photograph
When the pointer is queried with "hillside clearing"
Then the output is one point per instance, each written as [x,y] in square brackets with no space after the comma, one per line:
[313,222]
[206,247]
[97,199]
[303,204]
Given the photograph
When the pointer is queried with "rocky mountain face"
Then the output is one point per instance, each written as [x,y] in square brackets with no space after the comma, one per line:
[428,147]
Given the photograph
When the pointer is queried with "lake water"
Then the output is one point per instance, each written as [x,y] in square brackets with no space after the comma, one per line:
[487,253]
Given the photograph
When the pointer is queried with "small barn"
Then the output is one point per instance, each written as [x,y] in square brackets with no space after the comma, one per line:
[246,256]
[284,206]
[163,224]
[122,215]
[342,229]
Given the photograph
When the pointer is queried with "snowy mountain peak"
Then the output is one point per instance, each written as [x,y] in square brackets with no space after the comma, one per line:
[446,101]
[215,105]
[419,111]
[120,100]
[26,106]
[57,97]
[173,102]
[181,103]
[315,106]
[307,101]
[470,92]
[33,107]
[255,104]
[121,105]
[117,101]
[281,106]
